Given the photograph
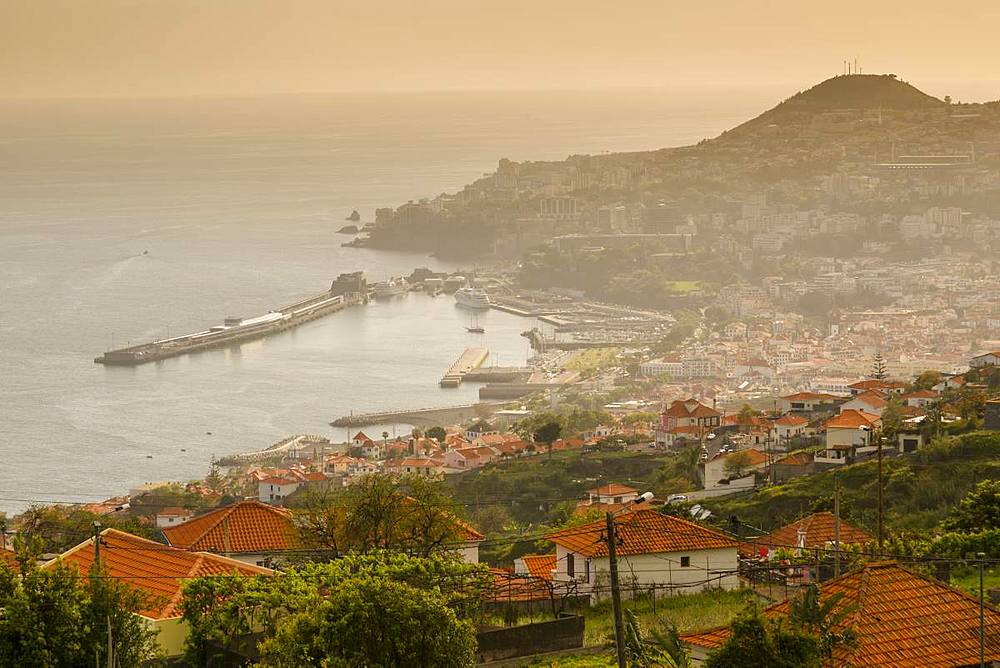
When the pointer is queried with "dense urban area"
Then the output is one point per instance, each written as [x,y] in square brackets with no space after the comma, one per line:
[760,426]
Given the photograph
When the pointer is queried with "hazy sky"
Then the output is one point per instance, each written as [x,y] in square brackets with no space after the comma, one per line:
[167,47]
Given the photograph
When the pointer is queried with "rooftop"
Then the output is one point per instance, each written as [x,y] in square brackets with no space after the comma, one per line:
[244,527]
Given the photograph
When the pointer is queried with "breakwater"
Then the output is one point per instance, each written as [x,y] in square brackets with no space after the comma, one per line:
[232,331]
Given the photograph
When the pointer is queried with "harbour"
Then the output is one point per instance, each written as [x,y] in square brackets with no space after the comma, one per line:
[468,361]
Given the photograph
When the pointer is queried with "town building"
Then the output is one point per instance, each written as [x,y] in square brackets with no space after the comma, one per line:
[168,517]
[806,402]
[816,531]
[653,548]
[686,420]
[847,435]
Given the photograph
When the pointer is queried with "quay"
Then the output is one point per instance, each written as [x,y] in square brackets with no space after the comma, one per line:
[470,360]
[234,330]
[418,417]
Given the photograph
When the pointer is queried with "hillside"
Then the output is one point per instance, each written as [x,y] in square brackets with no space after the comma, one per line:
[854,91]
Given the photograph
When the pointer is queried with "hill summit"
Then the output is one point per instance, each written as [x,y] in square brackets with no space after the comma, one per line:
[850,91]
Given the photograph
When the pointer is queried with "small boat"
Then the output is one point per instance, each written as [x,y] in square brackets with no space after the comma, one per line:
[475,330]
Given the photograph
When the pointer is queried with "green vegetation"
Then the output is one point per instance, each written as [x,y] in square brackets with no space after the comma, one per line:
[59,617]
[593,360]
[347,608]
[920,489]
[966,578]
[688,612]
[681,287]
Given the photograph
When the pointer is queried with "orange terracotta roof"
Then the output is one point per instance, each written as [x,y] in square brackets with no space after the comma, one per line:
[157,570]
[252,527]
[754,456]
[852,418]
[873,384]
[642,532]
[819,530]
[809,396]
[508,587]
[612,489]
[902,620]
[680,409]
[795,459]
[873,399]
[791,421]
[540,565]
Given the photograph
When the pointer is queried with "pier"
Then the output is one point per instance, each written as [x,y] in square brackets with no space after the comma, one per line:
[470,360]
[232,331]
[427,417]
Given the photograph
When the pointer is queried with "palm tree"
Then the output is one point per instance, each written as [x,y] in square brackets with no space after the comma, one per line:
[688,464]
[821,619]
[663,650]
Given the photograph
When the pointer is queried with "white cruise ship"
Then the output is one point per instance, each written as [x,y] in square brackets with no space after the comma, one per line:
[472,298]
[390,288]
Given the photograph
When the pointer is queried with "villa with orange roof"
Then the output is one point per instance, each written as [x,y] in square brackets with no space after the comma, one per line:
[714,471]
[653,549]
[806,402]
[158,572]
[811,532]
[611,497]
[901,619]
[686,420]
[847,435]
[884,386]
[986,359]
[789,426]
[249,531]
[870,401]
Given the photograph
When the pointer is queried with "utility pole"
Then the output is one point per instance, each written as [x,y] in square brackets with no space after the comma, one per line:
[836,526]
[616,597]
[97,544]
[981,556]
[881,506]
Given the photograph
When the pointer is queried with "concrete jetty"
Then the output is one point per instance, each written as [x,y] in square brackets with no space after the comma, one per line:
[469,360]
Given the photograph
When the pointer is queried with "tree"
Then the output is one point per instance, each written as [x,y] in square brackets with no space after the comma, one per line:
[382,512]
[214,479]
[979,510]
[755,641]
[224,609]
[927,380]
[437,433]
[58,617]
[746,416]
[548,432]
[687,464]
[822,619]
[892,418]
[661,649]
[370,621]
[737,464]
[879,370]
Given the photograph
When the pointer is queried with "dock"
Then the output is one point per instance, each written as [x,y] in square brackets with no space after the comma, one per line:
[468,361]
[232,332]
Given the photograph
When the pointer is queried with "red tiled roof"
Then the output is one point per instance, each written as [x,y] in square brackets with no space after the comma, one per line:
[755,457]
[872,398]
[819,531]
[252,526]
[795,459]
[873,384]
[852,419]
[612,489]
[540,565]
[791,421]
[642,532]
[679,409]
[902,620]
[157,570]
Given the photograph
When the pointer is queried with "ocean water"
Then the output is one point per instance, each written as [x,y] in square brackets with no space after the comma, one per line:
[237,202]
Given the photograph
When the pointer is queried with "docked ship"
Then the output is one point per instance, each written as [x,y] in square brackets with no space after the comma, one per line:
[472,298]
[390,288]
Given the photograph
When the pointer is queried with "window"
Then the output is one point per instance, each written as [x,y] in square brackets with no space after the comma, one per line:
[618,499]
[685,562]
[586,571]
[570,566]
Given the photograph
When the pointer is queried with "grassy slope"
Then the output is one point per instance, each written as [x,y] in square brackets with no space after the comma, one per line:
[920,488]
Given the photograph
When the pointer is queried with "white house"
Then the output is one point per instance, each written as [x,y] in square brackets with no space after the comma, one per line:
[789,426]
[986,359]
[612,493]
[715,469]
[848,434]
[806,402]
[870,401]
[652,549]
[920,398]
[169,517]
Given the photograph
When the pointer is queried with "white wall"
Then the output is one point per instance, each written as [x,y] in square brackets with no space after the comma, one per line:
[660,569]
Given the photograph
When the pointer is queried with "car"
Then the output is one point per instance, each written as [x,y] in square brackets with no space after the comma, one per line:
[677,498]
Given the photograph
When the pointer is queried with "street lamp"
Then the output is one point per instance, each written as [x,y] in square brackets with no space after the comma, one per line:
[616,597]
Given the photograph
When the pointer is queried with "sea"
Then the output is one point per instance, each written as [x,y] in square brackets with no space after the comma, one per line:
[123,221]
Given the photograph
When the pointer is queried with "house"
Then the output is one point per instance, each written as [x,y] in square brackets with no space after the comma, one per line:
[818,530]
[789,426]
[479,428]
[158,572]
[539,566]
[847,435]
[883,386]
[421,466]
[249,531]
[612,493]
[719,471]
[360,439]
[794,465]
[277,488]
[686,419]
[465,459]
[951,383]
[920,398]
[170,516]
[986,359]
[910,437]
[806,402]
[900,619]
[870,401]
[653,549]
